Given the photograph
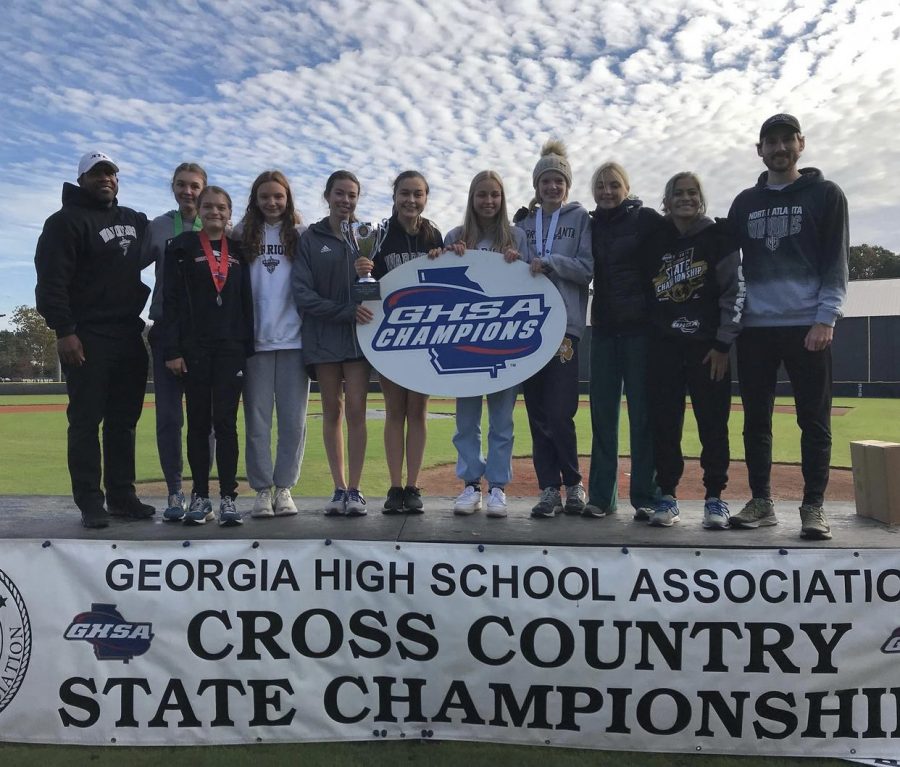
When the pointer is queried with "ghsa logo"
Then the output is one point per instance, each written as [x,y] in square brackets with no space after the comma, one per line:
[892,645]
[464,329]
[685,325]
[112,637]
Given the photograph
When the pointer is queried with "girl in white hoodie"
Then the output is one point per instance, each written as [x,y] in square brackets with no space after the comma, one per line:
[276,376]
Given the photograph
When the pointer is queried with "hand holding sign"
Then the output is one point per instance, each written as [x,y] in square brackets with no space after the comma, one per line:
[464,325]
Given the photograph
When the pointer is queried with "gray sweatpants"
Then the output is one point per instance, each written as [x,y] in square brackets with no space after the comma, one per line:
[275,380]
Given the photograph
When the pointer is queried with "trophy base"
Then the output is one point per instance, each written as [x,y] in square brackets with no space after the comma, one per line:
[365,291]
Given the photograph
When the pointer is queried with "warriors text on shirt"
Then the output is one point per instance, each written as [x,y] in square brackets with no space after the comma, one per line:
[771,224]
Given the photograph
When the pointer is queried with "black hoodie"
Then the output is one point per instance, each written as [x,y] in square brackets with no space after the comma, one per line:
[192,317]
[88,267]
[618,240]
[795,245]
[695,281]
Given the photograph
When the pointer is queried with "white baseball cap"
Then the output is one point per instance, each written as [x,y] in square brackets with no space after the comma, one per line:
[91,159]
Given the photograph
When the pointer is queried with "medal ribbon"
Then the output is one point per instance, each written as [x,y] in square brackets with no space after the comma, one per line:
[544,248]
[179,223]
[219,275]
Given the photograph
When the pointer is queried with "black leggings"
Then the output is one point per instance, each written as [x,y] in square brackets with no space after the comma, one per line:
[212,389]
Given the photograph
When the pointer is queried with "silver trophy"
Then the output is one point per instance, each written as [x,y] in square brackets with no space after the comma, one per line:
[361,238]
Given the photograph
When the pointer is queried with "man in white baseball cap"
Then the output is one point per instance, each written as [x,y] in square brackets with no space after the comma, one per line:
[90,159]
[90,293]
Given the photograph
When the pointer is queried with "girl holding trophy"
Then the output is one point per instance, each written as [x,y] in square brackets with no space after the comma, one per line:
[276,376]
[321,279]
[485,227]
[404,236]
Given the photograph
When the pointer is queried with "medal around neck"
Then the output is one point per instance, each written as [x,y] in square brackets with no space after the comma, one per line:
[361,238]
[463,326]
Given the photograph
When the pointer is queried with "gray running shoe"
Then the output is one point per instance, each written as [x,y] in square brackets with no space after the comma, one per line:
[594,512]
[283,503]
[200,511]
[549,504]
[813,523]
[262,506]
[176,509]
[758,512]
[576,499]
[229,516]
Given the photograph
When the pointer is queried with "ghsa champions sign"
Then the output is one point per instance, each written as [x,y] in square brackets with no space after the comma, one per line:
[461,326]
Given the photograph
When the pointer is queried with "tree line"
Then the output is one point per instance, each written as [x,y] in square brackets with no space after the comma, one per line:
[28,351]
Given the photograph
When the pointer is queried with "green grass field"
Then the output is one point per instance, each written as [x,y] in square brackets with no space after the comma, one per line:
[33,445]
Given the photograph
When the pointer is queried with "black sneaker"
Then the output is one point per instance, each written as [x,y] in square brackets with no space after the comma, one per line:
[393,504]
[131,507]
[94,517]
[412,500]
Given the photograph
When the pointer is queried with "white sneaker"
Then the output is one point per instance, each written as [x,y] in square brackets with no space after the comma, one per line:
[468,501]
[262,506]
[496,506]
[665,513]
[284,504]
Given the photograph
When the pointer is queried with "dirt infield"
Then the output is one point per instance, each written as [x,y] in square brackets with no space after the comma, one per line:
[787,482]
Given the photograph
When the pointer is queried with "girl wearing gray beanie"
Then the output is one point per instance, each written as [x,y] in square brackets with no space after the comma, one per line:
[558,235]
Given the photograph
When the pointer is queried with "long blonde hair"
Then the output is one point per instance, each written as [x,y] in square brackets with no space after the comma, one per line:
[616,170]
[501,232]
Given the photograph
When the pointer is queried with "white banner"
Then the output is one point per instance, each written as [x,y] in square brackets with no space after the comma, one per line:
[723,651]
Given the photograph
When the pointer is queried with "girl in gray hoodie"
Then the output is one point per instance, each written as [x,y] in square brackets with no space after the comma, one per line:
[558,245]
[321,277]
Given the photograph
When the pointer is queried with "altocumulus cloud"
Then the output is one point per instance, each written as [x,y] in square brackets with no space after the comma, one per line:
[448,88]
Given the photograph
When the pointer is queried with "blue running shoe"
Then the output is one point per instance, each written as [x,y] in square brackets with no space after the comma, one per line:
[229,516]
[200,511]
[176,509]
[355,503]
[665,513]
[337,506]
[715,514]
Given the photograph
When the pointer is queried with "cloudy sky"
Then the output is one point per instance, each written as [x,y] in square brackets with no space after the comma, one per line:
[449,88]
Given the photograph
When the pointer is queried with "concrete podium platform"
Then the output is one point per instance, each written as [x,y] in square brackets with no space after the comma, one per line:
[55,517]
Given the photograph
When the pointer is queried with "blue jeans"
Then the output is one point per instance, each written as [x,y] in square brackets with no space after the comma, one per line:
[471,464]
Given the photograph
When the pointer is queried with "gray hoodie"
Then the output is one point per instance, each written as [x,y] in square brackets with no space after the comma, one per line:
[321,276]
[153,250]
[570,263]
